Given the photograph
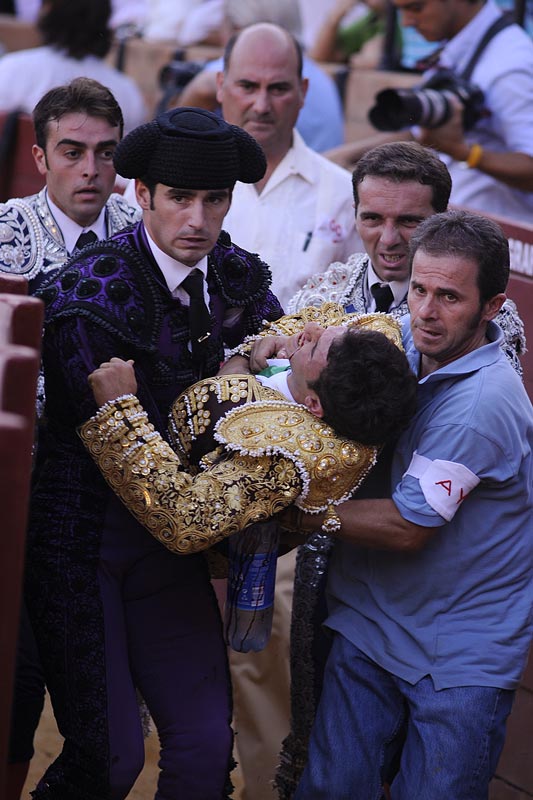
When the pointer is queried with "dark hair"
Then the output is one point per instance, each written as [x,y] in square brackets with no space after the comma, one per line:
[228,50]
[405,161]
[367,389]
[81,28]
[80,95]
[461,233]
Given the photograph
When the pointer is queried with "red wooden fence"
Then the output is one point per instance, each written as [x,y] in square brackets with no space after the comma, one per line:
[21,320]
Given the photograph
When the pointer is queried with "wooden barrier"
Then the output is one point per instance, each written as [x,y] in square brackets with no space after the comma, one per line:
[13,284]
[21,321]
[19,176]
[360,89]
[18,35]
[143,61]
[514,776]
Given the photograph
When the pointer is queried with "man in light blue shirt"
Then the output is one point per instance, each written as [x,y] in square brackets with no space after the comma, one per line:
[430,592]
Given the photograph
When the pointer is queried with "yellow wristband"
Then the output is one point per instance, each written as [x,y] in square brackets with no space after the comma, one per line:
[474,156]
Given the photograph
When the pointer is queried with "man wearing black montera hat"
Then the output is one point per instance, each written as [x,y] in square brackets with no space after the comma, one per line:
[113,610]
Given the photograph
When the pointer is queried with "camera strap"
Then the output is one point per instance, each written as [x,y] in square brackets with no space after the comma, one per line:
[498,25]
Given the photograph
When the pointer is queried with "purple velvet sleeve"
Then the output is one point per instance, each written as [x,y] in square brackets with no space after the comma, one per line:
[71,351]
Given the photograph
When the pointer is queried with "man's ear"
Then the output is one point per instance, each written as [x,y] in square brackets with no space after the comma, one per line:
[142,193]
[220,81]
[313,404]
[39,156]
[304,86]
[492,306]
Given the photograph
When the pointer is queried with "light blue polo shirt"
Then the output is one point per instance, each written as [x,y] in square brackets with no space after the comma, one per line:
[459,610]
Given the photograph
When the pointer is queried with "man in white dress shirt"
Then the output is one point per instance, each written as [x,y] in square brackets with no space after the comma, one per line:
[299,217]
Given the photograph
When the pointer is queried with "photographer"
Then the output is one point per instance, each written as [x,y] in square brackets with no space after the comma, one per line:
[491,163]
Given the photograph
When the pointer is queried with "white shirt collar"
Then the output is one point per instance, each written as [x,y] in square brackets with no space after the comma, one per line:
[298,160]
[71,230]
[398,288]
[278,381]
[174,271]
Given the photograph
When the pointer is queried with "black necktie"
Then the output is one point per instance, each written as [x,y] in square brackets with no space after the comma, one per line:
[199,316]
[383,296]
[85,238]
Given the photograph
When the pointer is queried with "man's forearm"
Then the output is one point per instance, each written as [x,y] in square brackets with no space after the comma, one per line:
[376,524]
[325,47]
[348,154]
[236,365]
[513,169]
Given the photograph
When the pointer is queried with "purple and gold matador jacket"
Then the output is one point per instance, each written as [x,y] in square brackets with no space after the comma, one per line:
[112,300]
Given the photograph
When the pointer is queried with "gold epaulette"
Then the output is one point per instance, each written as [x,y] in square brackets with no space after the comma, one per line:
[196,411]
[331,468]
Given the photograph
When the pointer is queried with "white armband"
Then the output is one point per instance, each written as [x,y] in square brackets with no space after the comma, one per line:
[445,484]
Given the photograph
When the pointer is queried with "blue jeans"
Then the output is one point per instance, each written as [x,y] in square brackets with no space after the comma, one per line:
[372,727]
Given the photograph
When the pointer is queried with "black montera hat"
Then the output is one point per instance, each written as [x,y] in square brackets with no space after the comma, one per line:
[190,148]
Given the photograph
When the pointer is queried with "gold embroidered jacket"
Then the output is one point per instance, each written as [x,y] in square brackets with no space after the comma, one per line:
[271,453]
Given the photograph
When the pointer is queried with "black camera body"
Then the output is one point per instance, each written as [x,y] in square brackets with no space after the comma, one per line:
[174,77]
[177,74]
[427,105]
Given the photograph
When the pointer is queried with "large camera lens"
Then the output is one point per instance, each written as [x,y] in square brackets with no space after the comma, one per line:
[427,105]
[400,108]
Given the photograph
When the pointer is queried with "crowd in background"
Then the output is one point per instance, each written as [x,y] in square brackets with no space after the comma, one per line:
[294,205]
